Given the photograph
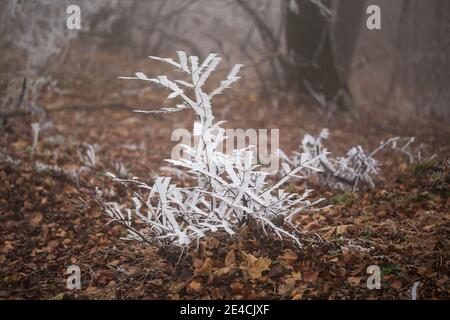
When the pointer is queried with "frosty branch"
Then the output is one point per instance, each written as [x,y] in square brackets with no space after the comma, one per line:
[230,191]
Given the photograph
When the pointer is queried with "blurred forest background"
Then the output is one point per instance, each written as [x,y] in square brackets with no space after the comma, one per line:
[288,46]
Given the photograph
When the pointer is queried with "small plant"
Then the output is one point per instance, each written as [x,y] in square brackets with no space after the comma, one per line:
[87,155]
[37,128]
[121,170]
[348,172]
[422,168]
[229,192]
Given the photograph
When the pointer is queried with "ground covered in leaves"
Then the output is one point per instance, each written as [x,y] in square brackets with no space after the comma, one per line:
[49,219]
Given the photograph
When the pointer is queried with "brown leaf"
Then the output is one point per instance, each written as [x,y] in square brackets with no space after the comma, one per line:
[298,296]
[114,263]
[237,287]
[194,285]
[342,229]
[156,282]
[311,276]
[354,281]
[177,287]
[206,268]
[397,285]
[219,273]
[329,233]
[311,226]
[288,284]
[230,259]
[35,221]
[52,245]
[198,263]
[289,257]
[255,266]
[59,296]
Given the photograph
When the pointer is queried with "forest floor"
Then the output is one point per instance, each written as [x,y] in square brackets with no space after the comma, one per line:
[49,220]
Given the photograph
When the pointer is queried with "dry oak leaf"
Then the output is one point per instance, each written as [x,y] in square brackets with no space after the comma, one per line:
[230,259]
[298,296]
[198,263]
[194,286]
[52,245]
[397,285]
[205,268]
[289,284]
[35,220]
[289,257]
[177,287]
[311,276]
[342,229]
[254,267]
[90,290]
[354,281]
[237,287]
[59,296]
[297,293]
[219,273]
[329,233]
[313,225]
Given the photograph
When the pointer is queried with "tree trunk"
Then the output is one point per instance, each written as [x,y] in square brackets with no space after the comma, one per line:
[427,72]
[310,44]
[350,18]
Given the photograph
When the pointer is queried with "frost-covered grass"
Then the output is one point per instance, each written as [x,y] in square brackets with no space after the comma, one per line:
[358,167]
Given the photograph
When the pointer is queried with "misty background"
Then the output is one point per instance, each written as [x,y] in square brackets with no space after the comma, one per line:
[318,51]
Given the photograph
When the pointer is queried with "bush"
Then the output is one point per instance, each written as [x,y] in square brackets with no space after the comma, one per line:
[230,191]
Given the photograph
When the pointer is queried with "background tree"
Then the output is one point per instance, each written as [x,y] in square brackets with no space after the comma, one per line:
[348,24]
[311,49]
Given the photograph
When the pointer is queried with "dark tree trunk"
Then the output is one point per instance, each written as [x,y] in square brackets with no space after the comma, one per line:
[310,44]
[427,71]
[350,18]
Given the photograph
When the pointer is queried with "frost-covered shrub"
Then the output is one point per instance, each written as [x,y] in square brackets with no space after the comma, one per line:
[229,190]
[347,172]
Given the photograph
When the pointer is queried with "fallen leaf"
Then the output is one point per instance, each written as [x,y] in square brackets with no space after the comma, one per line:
[35,221]
[206,268]
[194,285]
[255,266]
[311,226]
[230,259]
[289,284]
[311,276]
[397,285]
[329,233]
[354,281]
[237,287]
[52,245]
[341,229]
[289,257]
[298,296]
[59,296]
[114,263]
[177,287]
[219,273]
[198,263]
[90,290]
